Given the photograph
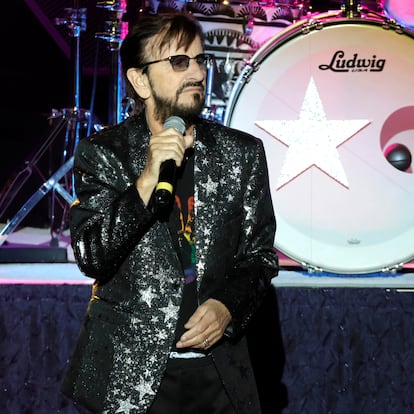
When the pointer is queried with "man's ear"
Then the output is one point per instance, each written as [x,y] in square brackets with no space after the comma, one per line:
[139,81]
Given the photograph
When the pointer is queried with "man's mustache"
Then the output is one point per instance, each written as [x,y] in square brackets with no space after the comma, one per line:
[190,84]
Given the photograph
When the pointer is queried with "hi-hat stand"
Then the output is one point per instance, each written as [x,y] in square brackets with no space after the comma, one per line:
[76,121]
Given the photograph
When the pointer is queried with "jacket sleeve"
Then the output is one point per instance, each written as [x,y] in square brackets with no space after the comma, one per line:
[256,261]
[108,218]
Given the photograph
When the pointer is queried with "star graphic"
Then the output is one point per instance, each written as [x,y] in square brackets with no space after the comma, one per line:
[144,388]
[312,140]
[125,406]
[211,186]
[147,296]
[169,311]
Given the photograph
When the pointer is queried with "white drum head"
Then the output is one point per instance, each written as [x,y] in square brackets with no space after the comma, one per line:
[327,104]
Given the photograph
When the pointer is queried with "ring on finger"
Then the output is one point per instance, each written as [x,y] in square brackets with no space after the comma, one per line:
[206,343]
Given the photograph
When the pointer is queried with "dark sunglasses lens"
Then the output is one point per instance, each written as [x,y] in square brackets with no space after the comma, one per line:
[202,59]
[180,62]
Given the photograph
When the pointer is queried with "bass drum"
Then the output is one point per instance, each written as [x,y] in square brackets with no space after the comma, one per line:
[329,97]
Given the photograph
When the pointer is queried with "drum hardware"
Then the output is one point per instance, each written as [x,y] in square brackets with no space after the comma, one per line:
[208,111]
[127,108]
[396,140]
[51,184]
[313,23]
[351,8]
[393,25]
[248,69]
[399,156]
[74,121]
[114,32]
[311,269]
[390,23]
[399,11]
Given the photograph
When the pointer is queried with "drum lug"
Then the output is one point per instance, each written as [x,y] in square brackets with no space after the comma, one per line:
[392,269]
[311,268]
[391,24]
[311,24]
[248,69]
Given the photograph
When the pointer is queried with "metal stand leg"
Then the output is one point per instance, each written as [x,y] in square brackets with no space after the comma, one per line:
[77,121]
[51,184]
[18,182]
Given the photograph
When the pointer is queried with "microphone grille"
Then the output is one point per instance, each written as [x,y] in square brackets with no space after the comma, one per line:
[175,122]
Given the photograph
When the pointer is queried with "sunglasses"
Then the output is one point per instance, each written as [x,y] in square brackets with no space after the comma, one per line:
[180,63]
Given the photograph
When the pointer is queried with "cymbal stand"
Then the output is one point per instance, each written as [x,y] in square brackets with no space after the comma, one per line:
[76,120]
[208,111]
[114,32]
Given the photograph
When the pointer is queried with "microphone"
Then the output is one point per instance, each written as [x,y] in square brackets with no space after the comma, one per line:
[166,180]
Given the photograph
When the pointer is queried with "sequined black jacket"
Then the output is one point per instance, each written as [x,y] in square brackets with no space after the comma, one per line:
[130,321]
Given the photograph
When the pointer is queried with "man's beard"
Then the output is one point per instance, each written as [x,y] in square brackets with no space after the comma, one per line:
[166,107]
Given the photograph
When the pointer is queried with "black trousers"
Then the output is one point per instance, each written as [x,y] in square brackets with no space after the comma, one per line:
[191,386]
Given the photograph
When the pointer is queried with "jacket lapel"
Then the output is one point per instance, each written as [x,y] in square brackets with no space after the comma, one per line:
[207,176]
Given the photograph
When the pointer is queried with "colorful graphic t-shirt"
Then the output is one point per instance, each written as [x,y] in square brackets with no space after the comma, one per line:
[181,225]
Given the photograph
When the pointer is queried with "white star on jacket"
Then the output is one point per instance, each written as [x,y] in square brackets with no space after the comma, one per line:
[125,406]
[147,295]
[169,311]
[312,140]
